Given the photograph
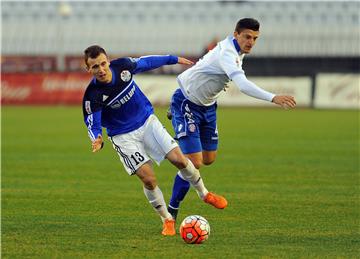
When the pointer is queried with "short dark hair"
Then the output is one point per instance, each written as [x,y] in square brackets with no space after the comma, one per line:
[247,23]
[93,52]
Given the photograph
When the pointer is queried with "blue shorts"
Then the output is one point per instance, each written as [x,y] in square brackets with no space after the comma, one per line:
[194,125]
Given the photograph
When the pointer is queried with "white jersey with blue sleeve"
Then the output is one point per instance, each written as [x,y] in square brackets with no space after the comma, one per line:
[203,83]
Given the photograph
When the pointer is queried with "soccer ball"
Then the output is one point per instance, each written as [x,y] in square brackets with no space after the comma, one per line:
[194,229]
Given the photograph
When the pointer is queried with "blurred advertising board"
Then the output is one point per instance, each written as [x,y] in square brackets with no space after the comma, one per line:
[337,91]
[43,88]
[159,90]
[68,88]
[299,87]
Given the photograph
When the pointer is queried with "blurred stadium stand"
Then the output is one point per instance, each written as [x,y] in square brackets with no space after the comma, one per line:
[309,39]
[288,29]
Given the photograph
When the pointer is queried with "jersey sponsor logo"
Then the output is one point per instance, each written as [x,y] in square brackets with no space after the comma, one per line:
[125,75]
[88,107]
[123,91]
[117,104]
[105,97]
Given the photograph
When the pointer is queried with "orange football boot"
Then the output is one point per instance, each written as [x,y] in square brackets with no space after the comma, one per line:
[217,201]
[169,227]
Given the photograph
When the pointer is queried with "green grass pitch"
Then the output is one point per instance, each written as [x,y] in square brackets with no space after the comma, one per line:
[291,179]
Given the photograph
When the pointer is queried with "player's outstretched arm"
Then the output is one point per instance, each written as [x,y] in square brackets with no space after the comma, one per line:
[285,101]
[97,144]
[152,62]
[184,61]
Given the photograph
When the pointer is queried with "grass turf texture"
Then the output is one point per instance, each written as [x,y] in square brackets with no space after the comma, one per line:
[291,179]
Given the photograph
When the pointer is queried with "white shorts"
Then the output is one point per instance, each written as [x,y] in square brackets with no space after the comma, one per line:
[150,141]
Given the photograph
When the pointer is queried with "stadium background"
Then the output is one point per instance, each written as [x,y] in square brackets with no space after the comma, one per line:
[291,177]
[316,44]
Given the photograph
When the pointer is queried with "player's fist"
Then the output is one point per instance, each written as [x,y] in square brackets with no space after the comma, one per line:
[285,101]
[184,61]
[97,144]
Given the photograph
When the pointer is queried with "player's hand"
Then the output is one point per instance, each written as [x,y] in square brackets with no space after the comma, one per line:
[184,61]
[97,144]
[285,101]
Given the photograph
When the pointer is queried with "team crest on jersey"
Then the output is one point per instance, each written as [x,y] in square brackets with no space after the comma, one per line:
[192,127]
[125,75]
[237,61]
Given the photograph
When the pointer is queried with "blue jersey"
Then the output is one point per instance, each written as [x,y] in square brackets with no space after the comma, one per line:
[120,106]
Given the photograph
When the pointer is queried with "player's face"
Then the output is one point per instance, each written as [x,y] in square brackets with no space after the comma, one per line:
[99,67]
[246,39]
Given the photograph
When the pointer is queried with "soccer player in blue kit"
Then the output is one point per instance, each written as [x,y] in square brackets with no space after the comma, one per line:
[114,101]
[193,105]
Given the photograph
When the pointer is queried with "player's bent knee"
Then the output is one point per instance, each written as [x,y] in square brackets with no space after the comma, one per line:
[149,184]
[177,158]
[208,162]
[196,159]
[197,163]
[181,162]
[209,157]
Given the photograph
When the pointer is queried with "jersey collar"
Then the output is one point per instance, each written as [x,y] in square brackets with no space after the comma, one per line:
[236,45]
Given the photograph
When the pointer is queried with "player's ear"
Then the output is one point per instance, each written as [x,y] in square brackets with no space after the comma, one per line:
[87,68]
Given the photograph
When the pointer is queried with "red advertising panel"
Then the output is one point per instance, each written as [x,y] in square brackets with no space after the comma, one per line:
[43,88]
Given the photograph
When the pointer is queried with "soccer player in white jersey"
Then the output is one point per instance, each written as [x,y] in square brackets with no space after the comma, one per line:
[114,101]
[193,105]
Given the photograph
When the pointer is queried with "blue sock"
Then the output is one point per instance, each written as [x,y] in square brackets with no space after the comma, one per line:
[180,189]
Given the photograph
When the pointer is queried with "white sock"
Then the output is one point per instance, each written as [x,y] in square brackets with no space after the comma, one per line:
[192,175]
[156,199]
